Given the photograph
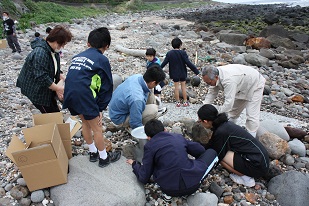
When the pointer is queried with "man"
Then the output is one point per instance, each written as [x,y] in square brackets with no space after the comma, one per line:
[128,104]
[166,159]
[10,31]
[243,89]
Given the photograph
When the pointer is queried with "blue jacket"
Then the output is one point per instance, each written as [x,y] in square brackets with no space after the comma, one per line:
[154,61]
[178,61]
[89,83]
[129,98]
[166,158]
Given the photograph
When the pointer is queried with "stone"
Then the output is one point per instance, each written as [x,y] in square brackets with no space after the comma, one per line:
[274,127]
[256,59]
[199,199]
[18,192]
[228,199]
[25,201]
[200,134]
[232,38]
[297,147]
[258,43]
[297,98]
[216,189]
[117,80]
[37,196]
[288,159]
[251,197]
[275,146]
[295,133]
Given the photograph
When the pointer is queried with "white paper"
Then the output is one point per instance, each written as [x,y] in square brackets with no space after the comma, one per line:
[71,122]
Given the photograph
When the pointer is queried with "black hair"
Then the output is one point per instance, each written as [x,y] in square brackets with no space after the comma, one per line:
[48,29]
[176,43]
[154,73]
[99,38]
[36,34]
[210,113]
[5,12]
[151,52]
[153,127]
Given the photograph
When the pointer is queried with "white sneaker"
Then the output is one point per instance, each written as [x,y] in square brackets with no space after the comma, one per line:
[161,112]
[243,180]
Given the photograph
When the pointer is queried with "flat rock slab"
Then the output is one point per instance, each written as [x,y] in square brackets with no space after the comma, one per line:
[88,184]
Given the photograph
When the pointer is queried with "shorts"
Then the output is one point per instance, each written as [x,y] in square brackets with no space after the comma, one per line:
[179,79]
[246,167]
[86,117]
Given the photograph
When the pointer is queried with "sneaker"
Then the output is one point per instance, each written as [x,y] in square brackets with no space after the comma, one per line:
[243,180]
[161,112]
[166,198]
[114,156]
[93,156]
[104,163]
[185,104]
[178,104]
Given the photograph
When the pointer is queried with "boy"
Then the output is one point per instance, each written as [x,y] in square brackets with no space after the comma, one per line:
[178,60]
[88,90]
[166,159]
[9,30]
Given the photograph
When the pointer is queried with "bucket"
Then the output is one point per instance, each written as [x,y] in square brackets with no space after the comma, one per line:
[139,134]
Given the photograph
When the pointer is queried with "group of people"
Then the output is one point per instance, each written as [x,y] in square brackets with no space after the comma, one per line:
[88,91]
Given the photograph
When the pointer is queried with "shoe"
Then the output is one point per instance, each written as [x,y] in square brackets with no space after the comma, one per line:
[185,104]
[93,156]
[161,112]
[13,51]
[104,163]
[178,104]
[114,156]
[166,198]
[243,180]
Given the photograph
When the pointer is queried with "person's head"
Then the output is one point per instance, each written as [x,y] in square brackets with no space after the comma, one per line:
[5,15]
[48,29]
[153,127]
[37,34]
[176,43]
[58,37]
[99,38]
[153,76]
[150,54]
[209,117]
[210,75]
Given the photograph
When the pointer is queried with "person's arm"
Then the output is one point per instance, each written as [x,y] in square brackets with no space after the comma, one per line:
[230,89]
[189,63]
[136,110]
[165,61]
[211,95]
[106,86]
[58,89]
[194,148]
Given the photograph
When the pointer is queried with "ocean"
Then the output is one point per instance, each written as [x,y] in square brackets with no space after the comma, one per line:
[302,3]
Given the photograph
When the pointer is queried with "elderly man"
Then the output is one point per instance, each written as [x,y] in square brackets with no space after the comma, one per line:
[243,89]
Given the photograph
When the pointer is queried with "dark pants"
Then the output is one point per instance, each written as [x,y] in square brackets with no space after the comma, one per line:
[44,109]
[13,43]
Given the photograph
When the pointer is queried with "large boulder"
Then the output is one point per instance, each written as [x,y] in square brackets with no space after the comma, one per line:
[274,127]
[275,146]
[234,39]
[256,59]
[290,188]
[88,184]
[278,41]
[274,29]
[199,199]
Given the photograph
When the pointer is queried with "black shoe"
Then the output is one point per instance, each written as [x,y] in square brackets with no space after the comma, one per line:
[13,51]
[93,156]
[104,163]
[114,156]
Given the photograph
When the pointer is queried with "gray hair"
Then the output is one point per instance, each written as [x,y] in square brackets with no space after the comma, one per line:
[210,71]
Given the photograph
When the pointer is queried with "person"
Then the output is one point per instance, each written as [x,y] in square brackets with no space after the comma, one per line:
[9,30]
[238,151]
[243,89]
[166,159]
[41,72]
[88,90]
[48,29]
[152,59]
[128,104]
[36,36]
[178,61]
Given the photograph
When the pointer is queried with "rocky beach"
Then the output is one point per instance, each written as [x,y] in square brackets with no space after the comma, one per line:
[217,34]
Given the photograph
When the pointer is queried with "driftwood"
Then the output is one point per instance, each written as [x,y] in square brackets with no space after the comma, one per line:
[132,52]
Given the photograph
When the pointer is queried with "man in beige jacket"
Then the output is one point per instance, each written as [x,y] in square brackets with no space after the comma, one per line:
[243,89]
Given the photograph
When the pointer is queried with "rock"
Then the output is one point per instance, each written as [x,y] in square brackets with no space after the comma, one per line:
[275,146]
[295,133]
[256,59]
[109,180]
[199,199]
[239,59]
[297,147]
[228,199]
[18,192]
[269,54]
[37,196]
[25,202]
[303,38]
[2,192]
[277,41]
[275,128]
[297,98]
[251,197]
[290,188]
[274,30]
[232,38]
[258,43]
[195,81]
[216,189]
[288,159]
[200,133]
[117,80]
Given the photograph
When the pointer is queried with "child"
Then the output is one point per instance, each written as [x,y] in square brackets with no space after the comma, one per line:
[166,160]
[151,60]
[88,90]
[37,36]
[238,151]
[178,60]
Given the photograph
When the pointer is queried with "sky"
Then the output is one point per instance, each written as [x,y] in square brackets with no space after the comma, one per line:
[290,2]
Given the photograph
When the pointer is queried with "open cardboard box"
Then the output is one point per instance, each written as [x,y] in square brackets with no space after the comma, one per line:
[42,161]
[66,132]
[3,43]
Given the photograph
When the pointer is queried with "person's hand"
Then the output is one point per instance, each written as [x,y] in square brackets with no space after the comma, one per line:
[14,34]
[62,77]
[100,119]
[130,161]
[60,92]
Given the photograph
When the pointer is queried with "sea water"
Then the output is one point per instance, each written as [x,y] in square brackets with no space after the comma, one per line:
[302,3]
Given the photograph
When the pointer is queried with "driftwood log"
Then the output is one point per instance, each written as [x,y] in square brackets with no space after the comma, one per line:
[132,52]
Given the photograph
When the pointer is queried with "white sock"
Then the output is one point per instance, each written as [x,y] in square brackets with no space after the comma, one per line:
[103,154]
[92,147]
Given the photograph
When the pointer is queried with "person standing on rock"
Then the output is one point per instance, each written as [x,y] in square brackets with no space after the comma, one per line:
[88,90]
[243,89]
[166,160]
[238,151]
[178,61]
[132,104]
[9,30]
[41,72]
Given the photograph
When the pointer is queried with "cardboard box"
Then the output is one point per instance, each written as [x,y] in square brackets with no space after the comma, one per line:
[3,43]
[66,132]
[42,161]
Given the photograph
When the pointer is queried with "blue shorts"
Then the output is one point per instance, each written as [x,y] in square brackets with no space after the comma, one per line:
[86,117]
[179,80]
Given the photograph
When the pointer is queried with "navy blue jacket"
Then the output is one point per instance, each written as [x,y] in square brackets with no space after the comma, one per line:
[178,61]
[89,83]
[166,158]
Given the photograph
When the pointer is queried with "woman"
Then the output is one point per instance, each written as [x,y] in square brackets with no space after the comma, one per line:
[41,71]
[238,151]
